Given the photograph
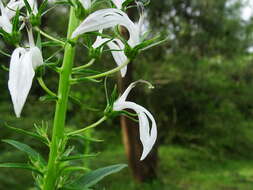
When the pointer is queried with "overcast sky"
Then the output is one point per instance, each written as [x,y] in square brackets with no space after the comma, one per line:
[247,11]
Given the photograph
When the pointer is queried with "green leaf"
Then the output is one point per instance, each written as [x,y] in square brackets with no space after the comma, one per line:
[24,132]
[35,156]
[15,21]
[19,165]
[95,176]
[78,157]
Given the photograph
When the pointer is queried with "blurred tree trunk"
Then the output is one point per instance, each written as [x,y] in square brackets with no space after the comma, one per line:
[145,170]
[142,171]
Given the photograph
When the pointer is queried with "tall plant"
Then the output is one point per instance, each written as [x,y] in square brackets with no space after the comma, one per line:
[27,62]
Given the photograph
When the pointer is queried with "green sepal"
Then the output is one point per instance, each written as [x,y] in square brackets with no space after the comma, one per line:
[12,38]
[126,3]
[28,133]
[20,166]
[93,177]
[15,22]
[67,2]
[28,7]
[35,157]
[42,6]
[35,20]
[150,43]
[108,112]
[80,11]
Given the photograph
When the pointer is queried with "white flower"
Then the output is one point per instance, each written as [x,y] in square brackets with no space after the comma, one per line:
[147,136]
[107,18]
[117,50]
[13,6]
[22,70]
[118,3]
[7,13]
[34,6]
[86,3]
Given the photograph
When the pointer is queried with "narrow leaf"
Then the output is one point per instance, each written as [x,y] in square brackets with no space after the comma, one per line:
[78,157]
[35,156]
[24,132]
[19,165]
[95,176]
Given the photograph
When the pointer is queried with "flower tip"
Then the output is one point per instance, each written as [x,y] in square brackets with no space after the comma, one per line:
[74,34]
[151,86]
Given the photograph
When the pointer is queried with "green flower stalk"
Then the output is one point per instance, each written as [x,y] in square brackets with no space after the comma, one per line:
[61,107]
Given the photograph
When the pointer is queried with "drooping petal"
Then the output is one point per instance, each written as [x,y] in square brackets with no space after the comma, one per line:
[147,136]
[86,3]
[107,18]
[36,56]
[117,48]
[118,54]
[20,78]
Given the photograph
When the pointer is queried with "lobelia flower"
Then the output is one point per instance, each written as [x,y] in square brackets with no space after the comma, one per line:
[117,50]
[8,12]
[147,136]
[86,3]
[22,70]
[107,18]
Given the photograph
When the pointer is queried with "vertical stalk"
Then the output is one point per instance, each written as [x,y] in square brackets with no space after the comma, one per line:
[61,108]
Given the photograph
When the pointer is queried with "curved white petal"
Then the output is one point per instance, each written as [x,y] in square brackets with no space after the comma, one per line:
[118,55]
[86,3]
[107,18]
[12,6]
[99,41]
[20,78]
[5,24]
[36,57]
[147,136]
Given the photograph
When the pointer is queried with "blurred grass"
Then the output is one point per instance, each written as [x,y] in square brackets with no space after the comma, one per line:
[182,169]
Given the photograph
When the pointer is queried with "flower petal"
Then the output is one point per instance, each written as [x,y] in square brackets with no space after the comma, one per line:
[86,3]
[99,41]
[34,6]
[36,57]
[118,3]
[119,55]
[147,136]
[5,23]
[107,18]
[12,6]
[20,78]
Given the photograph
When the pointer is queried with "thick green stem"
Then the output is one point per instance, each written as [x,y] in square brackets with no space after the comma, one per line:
[51,176]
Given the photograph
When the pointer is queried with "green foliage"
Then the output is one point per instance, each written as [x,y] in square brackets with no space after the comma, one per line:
[92,178]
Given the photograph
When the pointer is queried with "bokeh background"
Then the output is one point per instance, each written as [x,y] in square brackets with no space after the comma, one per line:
[202,102]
